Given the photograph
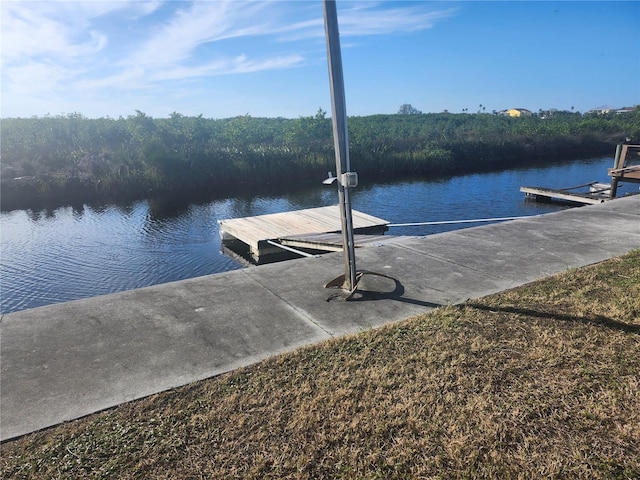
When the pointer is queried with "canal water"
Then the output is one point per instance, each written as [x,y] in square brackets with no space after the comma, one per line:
[69,253]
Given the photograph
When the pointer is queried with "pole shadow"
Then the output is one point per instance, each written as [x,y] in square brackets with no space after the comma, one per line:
[386,288]
[598,320]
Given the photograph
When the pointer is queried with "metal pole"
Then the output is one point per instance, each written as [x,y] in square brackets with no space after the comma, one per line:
[340,138]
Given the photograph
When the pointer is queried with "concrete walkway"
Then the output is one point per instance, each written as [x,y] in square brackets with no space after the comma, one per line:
[64,361]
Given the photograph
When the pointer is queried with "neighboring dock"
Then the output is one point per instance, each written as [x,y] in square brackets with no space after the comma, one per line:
[266,237]
[597,193]
[626,168]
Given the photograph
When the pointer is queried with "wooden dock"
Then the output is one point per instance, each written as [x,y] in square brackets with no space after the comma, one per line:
[626,168]
[567,195]
[312,229]
[332,242]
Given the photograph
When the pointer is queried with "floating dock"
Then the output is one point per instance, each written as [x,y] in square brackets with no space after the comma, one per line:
[592,197]
[263,238]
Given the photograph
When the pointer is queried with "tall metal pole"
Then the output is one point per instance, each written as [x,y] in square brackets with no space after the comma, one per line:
[340,138]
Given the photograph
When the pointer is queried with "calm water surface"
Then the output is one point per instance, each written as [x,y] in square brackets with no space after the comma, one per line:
[53,256]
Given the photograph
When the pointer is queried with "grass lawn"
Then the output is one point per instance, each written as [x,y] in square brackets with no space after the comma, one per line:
[542,381]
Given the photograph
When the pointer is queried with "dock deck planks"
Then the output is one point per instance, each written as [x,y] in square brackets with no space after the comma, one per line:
[254,231]
[549,193]
[333,241]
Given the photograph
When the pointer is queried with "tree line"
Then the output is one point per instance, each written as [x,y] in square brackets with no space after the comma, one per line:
[74,158]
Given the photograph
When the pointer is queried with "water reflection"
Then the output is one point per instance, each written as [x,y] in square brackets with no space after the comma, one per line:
[319,197]
[61,254]
[166,208]
[37,215]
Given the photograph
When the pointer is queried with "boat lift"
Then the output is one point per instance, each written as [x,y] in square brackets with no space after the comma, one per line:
[626,166]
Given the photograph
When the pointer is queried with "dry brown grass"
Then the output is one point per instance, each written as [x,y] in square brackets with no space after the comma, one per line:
[538,382]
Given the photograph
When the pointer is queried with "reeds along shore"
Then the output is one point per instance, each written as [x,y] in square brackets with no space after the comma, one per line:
[72,158]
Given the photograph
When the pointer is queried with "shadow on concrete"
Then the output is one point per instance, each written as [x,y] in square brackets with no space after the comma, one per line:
[593,320]
[371,291]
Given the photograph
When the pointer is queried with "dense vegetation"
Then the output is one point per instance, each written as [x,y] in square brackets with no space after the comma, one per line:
[74,158]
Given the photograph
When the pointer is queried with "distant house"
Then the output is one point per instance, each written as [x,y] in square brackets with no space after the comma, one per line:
[516,112]
[626,109]
[603,109]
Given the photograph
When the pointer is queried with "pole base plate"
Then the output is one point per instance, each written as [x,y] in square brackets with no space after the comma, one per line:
[342,283]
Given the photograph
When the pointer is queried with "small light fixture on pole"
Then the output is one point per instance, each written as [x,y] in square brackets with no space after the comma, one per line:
[345,178]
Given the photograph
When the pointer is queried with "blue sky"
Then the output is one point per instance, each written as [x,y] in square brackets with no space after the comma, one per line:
[268,59]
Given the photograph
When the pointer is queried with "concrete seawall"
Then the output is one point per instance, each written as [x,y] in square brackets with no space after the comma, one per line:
[61,362]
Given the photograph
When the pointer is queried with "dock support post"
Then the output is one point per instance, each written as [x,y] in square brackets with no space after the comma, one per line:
[340,138]
[614,179]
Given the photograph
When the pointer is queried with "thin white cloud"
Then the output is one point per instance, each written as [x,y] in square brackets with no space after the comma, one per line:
[28,32]
[133,78]
[240,64]
[37,79]
[136,77]
[370,18]
[204,23]
[201,23]
[362,22]
[57,48]
[60,28]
